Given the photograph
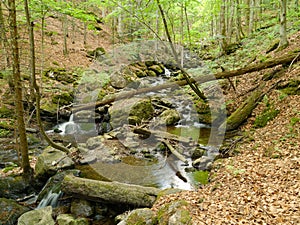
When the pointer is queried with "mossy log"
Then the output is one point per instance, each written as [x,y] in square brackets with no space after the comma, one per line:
[285,59]
[12,128]
[109,192]
[244,111]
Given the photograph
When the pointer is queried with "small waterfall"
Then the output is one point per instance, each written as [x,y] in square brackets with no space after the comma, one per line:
[167,72]
[69,127]
[51,199]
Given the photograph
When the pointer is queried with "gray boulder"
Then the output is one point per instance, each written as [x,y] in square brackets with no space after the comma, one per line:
[41,216]
[50,161]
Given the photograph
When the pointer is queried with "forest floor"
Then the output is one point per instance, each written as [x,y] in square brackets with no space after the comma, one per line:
[260,184]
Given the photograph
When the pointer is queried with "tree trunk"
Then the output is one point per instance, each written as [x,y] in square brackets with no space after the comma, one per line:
[21,130]
[251,16]
[283,36]
[244,111]
[223,41]
[109,192]
[3,38]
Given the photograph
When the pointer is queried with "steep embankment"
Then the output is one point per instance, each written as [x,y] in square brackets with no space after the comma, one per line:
[259,183]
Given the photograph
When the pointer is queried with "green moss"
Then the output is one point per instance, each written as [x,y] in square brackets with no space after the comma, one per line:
[268,115]
[201,176]
[5,112]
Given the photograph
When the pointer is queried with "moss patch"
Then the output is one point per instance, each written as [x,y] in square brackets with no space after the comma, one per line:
[267,115]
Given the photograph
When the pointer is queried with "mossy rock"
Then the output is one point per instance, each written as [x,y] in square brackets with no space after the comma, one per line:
[174,213]
[169,117]
[65,98]
[141,217]
[10,211]
[157,69]
[142,109]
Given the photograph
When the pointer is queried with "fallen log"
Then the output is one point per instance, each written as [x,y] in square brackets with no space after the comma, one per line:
[175,152]
[244,111]
[109,192]
[12,128]
[286,59]
[162,135]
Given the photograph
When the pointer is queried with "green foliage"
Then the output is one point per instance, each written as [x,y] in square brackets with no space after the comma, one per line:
[9,168]
[4,133]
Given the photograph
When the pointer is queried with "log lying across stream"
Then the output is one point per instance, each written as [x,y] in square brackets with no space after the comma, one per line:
[109,192]
[285,59]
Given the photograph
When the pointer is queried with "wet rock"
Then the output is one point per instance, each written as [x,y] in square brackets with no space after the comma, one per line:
[139,216]
[142,109]
[169,117]
[118,81]
[67,219]
[82,208]
[10,211]
[50,161]
[94,142]
[41,216]
[20,189]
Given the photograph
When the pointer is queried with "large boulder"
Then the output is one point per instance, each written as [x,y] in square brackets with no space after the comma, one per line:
[143,110]
[10,211]
[50,161]
[41,216]
[132,110]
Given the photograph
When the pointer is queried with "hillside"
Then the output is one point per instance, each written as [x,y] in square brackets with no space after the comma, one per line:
[258,180]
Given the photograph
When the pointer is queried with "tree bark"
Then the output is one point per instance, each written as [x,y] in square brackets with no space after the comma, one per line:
[244,111]
[23,145]
[283,35]
[3,38]
[286,59]
[109,192]
[34,85]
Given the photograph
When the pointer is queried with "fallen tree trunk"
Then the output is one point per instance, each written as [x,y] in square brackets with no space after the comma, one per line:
[109,192]
[286,59]
[244,111]
[12,128]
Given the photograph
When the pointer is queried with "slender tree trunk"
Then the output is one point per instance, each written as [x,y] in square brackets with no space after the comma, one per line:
[188,25]
[239,31]
[251,16]
[65,33]
[247,14]
[3,38]
[23,146]
[223,42]
[283,36]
